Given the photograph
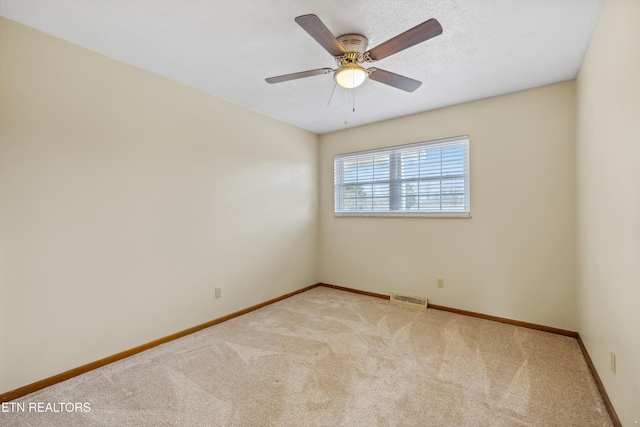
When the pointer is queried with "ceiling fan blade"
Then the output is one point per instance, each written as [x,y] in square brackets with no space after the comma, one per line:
[316,29]
[337,96]
[300,75]
[412,37]
[393,79]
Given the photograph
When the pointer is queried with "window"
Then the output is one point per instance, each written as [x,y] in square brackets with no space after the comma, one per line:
[423,179]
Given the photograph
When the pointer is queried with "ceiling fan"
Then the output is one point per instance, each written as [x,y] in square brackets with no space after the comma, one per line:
[350,52]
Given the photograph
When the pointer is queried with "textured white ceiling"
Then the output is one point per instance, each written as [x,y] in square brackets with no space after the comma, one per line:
[227,48]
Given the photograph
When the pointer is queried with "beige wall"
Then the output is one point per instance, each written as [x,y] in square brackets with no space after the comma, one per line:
[125,198]
[515,257]
[608,203]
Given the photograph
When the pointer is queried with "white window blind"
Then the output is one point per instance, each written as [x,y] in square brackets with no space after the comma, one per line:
[422,179]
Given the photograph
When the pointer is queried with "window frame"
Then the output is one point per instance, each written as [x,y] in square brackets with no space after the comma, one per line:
[394,184]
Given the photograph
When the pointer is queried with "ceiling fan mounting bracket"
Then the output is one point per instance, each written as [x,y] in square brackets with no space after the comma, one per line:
[367,58]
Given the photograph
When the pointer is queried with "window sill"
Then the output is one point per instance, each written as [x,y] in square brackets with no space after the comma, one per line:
[404,214]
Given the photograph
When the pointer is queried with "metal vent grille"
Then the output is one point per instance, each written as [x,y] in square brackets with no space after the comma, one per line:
[416,302]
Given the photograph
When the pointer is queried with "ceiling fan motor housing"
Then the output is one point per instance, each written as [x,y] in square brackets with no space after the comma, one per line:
[354,43]
[350,73]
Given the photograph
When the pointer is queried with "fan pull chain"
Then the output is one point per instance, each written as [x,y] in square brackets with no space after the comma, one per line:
[353,106]
[353,100]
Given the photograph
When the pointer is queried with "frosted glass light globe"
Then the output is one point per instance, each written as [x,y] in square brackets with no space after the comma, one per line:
[350,76]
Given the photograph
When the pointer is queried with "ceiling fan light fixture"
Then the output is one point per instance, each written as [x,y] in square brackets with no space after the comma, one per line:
[350,76]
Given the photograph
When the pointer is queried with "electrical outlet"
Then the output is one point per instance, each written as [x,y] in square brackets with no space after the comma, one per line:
[218,292]
[441,283]
[613,362]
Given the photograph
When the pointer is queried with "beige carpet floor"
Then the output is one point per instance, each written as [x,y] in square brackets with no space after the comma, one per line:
[332,358]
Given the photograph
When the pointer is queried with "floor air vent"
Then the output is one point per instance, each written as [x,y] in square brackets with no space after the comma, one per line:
[409,301]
